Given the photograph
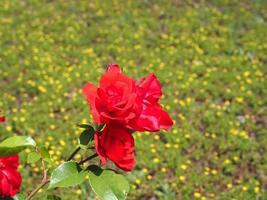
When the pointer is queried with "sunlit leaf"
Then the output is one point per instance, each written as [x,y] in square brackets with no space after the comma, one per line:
[107,184]
[15,144]
[67,174]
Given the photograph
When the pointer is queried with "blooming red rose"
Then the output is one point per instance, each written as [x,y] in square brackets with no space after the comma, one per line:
[132,104]
[10,178]
[116,144]
[123,104]
[2,118]
[115,99]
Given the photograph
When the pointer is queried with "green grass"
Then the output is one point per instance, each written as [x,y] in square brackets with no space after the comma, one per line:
[209,55]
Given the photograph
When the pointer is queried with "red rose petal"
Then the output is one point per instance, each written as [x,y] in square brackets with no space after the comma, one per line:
[113,68]
[116,144]
[90,93]
[150,88]
[152,119]
[10,178]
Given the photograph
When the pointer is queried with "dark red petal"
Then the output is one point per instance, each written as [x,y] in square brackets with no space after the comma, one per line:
[5,187]
[14,180]
[99,149]
[90,93]
[165,120]
[113,68]
[123,153]
[10,178]
[2,118]
[117,144]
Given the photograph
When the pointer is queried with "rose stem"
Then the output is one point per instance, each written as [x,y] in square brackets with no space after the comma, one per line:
[45,180]
[74,153]
[87,159]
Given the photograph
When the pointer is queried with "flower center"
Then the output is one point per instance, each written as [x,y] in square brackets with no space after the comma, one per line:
[114,95]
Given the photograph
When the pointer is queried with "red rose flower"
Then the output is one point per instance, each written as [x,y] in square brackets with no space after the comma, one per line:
[10,178]
[123,104]
[129,103]
[116,144]
[115,99]
[2,118]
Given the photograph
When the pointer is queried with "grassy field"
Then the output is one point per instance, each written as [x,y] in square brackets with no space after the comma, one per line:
[209,55]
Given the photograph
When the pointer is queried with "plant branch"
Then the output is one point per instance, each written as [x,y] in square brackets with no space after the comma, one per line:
[74,153]
[87,159]
[45,180]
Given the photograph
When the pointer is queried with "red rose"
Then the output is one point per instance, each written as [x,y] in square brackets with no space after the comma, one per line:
[115,99]
[2,118]
[116,144]
[152,117]
[131,104]
[10,178]
[123,104]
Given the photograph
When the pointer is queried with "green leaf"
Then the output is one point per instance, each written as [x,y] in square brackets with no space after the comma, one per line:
[107,184]
[14,145]
[45,154]
[53,197]
[84,126]
[67,174]
[33,157]
[86,136]
[19,197]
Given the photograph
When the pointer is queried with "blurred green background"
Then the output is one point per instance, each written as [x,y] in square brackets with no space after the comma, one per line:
[209,55]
